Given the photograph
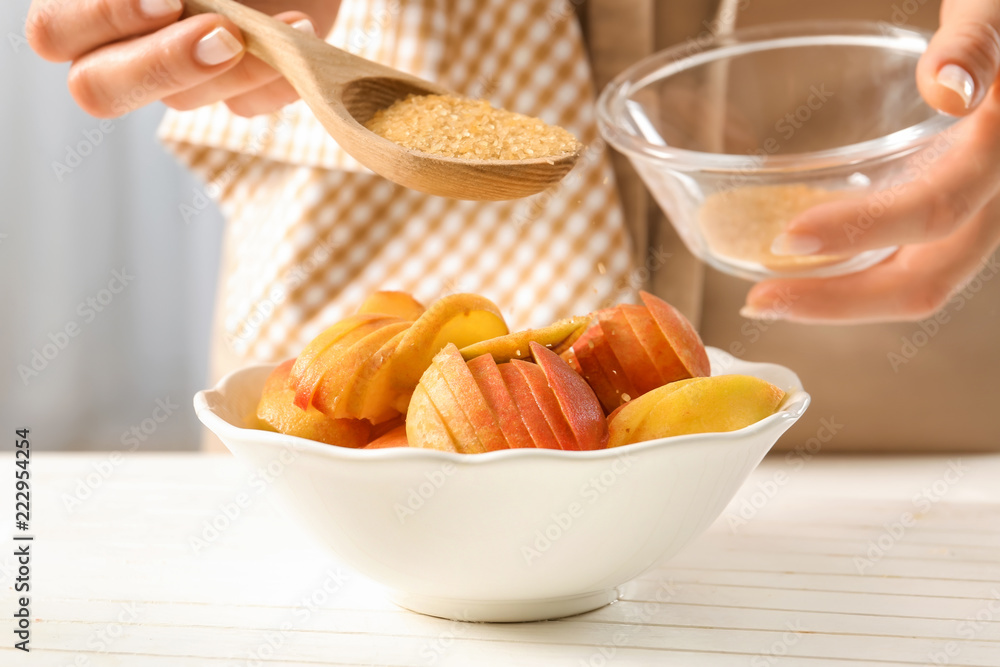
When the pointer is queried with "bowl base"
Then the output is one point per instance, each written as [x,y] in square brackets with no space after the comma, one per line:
[756,272]
[504,611]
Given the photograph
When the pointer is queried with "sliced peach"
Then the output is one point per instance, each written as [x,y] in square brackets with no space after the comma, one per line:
[338,381]
[577,401]
[608,361]
[638,348]
[378,430]
[547,402]
[451,411]
[556,336]
[696,405]
[532,415]
[324,340]
[625,421]
[397,304]
[662,357]
[639,367]
[585,363]
[317,345]
[680,334]
[462,319]
[394,438]
[373,396]
[425,426]
[309,375]
[487,376]
[277,411]
[463,386]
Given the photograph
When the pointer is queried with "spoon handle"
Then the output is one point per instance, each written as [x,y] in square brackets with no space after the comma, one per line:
[272,41]
[295,54]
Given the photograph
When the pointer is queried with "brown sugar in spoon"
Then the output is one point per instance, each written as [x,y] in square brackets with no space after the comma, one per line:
[344,91]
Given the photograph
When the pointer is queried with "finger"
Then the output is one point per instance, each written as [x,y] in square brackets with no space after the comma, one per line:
[271,97]
[60,31]
[250,75]
[118,78]
[911,285]
[963,58]
[947,191]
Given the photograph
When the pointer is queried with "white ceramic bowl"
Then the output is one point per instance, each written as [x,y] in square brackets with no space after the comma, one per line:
[515,535]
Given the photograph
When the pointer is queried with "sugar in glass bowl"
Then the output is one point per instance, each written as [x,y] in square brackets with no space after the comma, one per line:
[736,135]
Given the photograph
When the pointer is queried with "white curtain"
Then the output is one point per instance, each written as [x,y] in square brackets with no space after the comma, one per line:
[107,293]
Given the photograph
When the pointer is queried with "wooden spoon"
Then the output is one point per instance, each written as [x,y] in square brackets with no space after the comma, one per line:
[344,91]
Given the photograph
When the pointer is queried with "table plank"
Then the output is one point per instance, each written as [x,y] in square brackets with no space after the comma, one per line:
[118,581]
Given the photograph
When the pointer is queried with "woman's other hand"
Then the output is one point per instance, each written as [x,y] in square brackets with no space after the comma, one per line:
[946,222]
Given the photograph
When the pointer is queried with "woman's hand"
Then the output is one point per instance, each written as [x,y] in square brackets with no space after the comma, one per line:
[129,53]
[947,220]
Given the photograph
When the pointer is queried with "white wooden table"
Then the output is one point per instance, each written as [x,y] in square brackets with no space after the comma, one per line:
[832,561]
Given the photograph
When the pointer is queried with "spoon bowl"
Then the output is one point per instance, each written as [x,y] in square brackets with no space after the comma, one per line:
[344,91]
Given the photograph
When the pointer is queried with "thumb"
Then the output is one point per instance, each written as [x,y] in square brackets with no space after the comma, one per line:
[963,58]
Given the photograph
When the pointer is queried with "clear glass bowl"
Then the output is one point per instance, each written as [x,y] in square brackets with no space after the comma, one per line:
[736,135]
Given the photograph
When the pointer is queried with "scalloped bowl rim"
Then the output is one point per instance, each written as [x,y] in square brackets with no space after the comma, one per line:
[792,407]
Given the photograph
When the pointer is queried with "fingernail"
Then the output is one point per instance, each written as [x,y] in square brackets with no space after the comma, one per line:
[217,47]
[795,244]
[305,25]
[755,313]
[957,79]
[156,8]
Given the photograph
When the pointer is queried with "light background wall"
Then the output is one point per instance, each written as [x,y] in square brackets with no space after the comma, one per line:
[60,241]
